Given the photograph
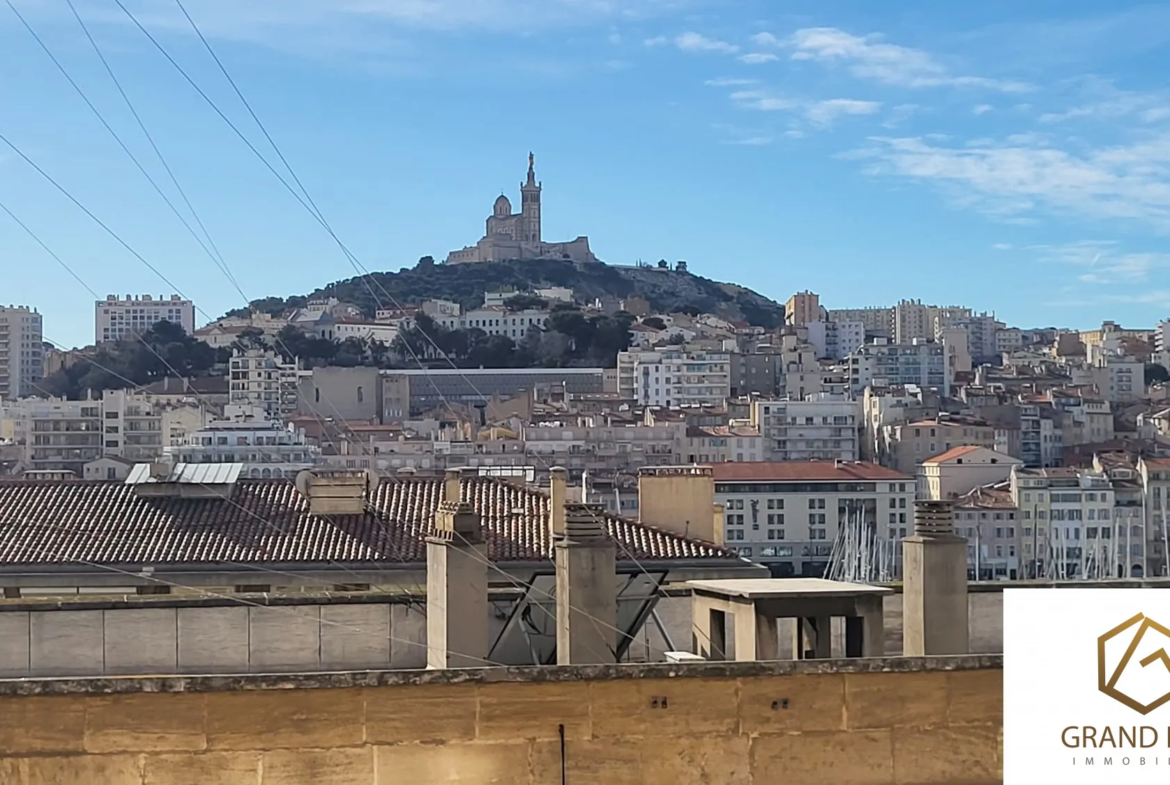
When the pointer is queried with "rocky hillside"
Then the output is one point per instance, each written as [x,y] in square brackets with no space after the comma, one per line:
[667,290]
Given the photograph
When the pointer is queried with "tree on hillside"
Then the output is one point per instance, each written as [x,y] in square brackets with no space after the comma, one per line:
[1156,374]
[655,322]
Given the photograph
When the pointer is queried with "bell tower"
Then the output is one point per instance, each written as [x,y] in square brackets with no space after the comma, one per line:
[530,205]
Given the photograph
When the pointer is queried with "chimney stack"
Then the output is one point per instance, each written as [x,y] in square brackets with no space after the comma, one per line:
[336,491]
[558,492]
[457,583]
[680,500]
[934,593]
[586,595]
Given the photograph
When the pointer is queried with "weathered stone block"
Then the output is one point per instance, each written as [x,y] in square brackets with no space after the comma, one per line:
[957,755]
[213,640]
[355,636]
[440,712]
[221,768]
[66,643]
[840,758]
[975,697]
[793,703]
[145,723]
[31,726]
[609,761]
[662,707]
[319,767]
[283,719]
[78,769]
[284,639]
[476,763]
[141,640]
[510,712]
[888,700]
[698,761]
[14,644]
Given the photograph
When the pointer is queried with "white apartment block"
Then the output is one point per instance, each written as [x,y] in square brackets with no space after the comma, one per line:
[674,378]
[788,515]
[247,436]
[262,378]
[1068,528]
[118,318]
[22,352]
[1118,377]
[139,428]
[816,429]
[836,340]
[363,330]
[982,334]
[892,364]
[876,319]
[496,320]
[912,320]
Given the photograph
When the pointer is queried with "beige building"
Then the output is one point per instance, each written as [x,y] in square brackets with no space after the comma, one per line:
[723,443]
[262,378]
[22,350]
[905,445]
[819,428]
[960,470]
[877,320]
[787,515]
[802,308]
[518,235]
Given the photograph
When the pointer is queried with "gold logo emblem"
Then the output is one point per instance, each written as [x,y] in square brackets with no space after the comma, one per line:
[1133,667]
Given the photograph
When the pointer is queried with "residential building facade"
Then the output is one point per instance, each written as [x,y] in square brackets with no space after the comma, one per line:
[22,352]
[819,428]
[117,318]
[787,515]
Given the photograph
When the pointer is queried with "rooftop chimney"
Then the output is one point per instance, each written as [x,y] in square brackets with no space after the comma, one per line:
[934,595]
[557,496]
[457,582]
[681,500]
[336,491]
[586,588]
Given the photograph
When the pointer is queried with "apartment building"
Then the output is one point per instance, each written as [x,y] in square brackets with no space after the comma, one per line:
[723,443]
[802,309]
[877,321]
[835,340]
[22,352]
[1041,441]
[262,378]
[818,428]
[895,364]
[247,436]
[139,427]
[904,446]
[1068,528]
[56,435]
[117,318]
[988,518]
[787,515]
[982,331]
[492,319]
[1118,377]
[674,378]
[960,470]
[915,321]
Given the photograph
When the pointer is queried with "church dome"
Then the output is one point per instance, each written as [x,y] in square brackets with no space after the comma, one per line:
[503,207]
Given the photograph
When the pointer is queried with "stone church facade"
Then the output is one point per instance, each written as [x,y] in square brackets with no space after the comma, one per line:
[518,235]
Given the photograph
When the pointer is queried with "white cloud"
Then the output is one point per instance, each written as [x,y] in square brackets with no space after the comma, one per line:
[1103,261]
[766,39]
[753,141]
[869,58]
[658,40]
[981,109]
[825,112]
[1104,102]
[1018,179]
[758,58]
[730,82]
[1002,246]
[696,42]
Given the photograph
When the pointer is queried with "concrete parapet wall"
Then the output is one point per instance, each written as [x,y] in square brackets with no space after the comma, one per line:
[876,721]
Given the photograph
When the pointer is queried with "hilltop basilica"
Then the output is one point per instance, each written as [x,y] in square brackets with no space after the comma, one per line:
[517,235]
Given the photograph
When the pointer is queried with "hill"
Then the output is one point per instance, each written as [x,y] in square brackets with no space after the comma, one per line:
[667,290]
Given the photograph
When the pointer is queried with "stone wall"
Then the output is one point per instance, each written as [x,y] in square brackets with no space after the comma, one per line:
[849,722]
[163,635]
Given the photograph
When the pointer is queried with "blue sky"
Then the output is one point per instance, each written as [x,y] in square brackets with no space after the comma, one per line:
[1009,156]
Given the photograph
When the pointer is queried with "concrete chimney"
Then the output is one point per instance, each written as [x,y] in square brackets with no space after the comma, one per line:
[586,588]
[934,592]
[457,583]
[558,496]
[680,500]
[336,491]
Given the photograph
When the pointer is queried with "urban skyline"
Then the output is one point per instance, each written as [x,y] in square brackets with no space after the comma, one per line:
[895,151]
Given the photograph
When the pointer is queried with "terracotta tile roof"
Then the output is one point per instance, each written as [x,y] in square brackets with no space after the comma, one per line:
[804,471]
[951,454]
[268,521]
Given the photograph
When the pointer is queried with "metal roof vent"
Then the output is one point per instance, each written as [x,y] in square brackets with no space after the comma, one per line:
[336,491]
[934,519]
